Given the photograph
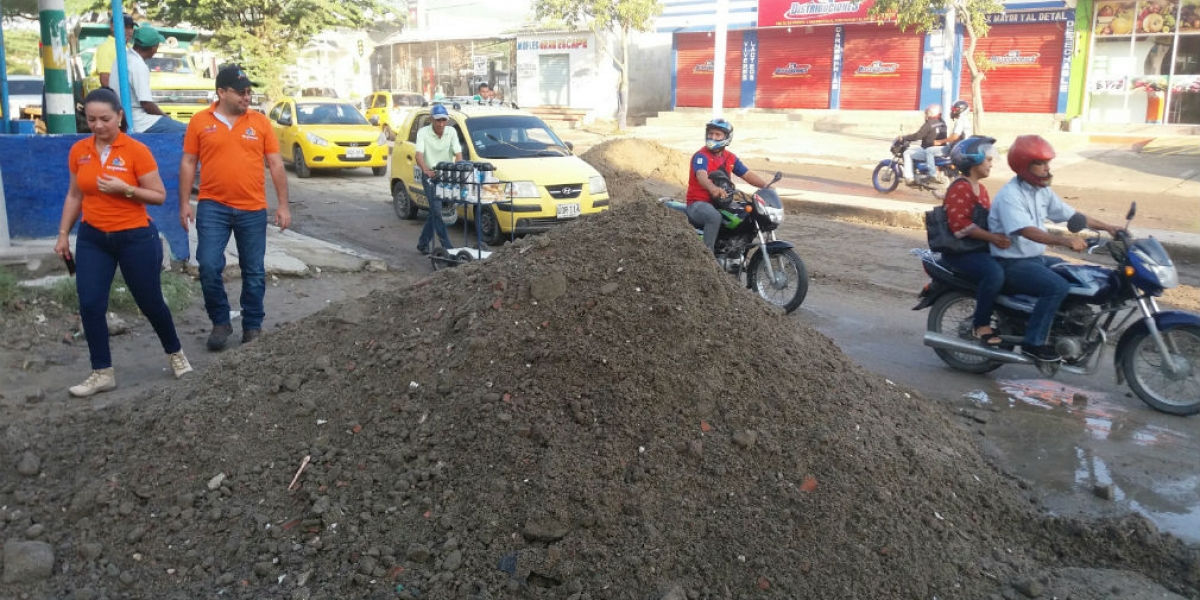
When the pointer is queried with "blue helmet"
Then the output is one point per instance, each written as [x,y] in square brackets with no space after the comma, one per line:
[720,125]
[970,152]
[439,112]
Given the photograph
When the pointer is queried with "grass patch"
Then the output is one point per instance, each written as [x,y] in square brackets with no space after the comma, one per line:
[178,290]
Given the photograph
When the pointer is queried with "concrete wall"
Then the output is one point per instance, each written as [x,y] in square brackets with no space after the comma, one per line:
[650,69]
[35,178]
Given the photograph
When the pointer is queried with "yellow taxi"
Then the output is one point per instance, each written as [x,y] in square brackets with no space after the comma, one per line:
[327,133]
[388,109]
[541,181]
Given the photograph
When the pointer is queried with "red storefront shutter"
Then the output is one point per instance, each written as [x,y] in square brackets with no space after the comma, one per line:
[881,68]
[1027,59]
[795,68]
[693,70]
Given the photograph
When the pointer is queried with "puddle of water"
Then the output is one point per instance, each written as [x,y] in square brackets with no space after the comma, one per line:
[1077,440]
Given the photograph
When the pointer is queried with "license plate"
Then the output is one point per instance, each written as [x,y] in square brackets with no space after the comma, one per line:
[355,153]
[568,211]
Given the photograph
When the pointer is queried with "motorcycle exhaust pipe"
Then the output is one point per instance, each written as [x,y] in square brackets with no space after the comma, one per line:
[957,344]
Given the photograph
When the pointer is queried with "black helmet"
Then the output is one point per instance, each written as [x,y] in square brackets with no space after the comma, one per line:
[721,125]
[959,108]
[970,152]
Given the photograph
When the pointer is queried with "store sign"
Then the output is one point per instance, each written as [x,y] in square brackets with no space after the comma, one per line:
[1052,16]
[877,69]
[1014,58]
[1108,84]
[556,44]
[782,13]
[792,70]
[704,67]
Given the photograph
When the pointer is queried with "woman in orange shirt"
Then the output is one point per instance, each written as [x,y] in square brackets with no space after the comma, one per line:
[113,178]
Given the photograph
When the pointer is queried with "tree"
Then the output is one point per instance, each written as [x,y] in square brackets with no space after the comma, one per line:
[613,22]
[266,35]
[926,15]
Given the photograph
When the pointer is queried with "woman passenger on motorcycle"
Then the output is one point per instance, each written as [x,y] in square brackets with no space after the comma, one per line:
[701,192]
[973,159]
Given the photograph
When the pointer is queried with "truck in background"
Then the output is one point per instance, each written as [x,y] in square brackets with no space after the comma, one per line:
[180,78]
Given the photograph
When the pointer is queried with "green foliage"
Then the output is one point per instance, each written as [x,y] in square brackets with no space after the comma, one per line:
[21,51]
[926,15]
[178,290]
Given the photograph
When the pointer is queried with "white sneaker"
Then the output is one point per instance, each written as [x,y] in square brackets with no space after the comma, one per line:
[179,364]
[101,380]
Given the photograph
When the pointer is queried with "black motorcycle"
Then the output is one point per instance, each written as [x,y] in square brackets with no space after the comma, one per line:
[749,223]
[889,172]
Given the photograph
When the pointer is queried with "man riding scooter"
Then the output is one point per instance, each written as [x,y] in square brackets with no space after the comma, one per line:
[932,130]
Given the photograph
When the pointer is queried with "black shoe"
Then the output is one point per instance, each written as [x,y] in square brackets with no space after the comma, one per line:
[219,337]
[423,250]
[250,335]
[1042,353]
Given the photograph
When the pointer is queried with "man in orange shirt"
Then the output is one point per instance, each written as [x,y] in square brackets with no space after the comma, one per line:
[230,141]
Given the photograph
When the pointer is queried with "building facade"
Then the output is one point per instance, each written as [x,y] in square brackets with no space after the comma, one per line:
[1118,61]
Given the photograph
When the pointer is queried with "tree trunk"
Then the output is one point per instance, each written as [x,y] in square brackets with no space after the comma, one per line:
[623,82]
[977,77]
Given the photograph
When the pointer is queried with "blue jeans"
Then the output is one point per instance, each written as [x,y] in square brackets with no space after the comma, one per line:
[988,276]
[139,254]
[705,216]
[214,223]
[1032,276]
[433,219]
[166,124]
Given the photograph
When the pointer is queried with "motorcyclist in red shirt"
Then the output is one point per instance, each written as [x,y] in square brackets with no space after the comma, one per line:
[701,192]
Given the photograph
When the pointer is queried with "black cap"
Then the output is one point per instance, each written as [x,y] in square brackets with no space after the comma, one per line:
[129,23]
[232,76]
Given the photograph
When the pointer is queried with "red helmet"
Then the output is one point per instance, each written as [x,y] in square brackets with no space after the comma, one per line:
[1024,151]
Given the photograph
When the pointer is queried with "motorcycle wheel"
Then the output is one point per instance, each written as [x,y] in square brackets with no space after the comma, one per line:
[885,178]
[951,315]
[1143,365]
[792,279]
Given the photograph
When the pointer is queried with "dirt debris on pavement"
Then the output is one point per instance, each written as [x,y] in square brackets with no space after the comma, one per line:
[597,412]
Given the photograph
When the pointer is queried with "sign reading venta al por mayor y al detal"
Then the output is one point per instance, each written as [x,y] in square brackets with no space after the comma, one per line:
[782,13]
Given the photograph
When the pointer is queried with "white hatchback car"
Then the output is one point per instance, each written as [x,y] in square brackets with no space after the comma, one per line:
[23,91]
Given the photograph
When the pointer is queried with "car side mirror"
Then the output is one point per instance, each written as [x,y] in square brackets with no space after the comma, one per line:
[570,146]
[375,120]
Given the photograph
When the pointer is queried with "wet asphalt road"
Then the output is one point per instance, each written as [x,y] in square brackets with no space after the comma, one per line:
[1038,429]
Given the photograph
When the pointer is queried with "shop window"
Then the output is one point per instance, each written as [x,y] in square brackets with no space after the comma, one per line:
[1144,66]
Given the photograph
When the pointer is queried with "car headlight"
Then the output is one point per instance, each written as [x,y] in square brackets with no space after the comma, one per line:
[525,189]
[315,139]
[494,192]
[597,185]
[212,97]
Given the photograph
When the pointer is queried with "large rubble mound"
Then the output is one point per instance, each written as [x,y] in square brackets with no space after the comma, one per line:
[597,412]
[635,169]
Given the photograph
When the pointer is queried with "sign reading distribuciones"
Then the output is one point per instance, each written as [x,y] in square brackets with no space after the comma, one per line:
[782,13]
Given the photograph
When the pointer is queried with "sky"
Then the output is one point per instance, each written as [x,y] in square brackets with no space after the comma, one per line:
[476,16]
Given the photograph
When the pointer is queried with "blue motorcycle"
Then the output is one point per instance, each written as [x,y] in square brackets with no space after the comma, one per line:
[1157,354]
[889,172]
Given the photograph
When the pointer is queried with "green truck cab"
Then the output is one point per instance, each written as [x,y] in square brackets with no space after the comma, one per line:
[179,80]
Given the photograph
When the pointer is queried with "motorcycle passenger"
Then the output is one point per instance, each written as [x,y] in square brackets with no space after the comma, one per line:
[1020,210]
[701,192]
[973,159]
[932,130]
[960,129]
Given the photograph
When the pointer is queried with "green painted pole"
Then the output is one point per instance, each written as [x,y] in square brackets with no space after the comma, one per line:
[59,111]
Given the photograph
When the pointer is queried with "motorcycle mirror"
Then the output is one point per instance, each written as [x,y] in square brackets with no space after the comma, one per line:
[1132,211]
[776,178]
[1077,222]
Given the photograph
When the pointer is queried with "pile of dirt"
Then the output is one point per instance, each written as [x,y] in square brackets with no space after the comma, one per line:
[635,169]
[598,412]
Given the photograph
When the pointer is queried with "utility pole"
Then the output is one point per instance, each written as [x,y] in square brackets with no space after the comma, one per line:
[719,57]
[59,111]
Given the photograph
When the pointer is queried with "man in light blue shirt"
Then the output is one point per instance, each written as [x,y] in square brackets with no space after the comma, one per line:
[1020,210]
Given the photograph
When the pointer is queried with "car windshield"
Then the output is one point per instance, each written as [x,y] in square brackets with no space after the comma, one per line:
[407,100]
[331,113]
[25,87]
[513,136]
[169,64]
